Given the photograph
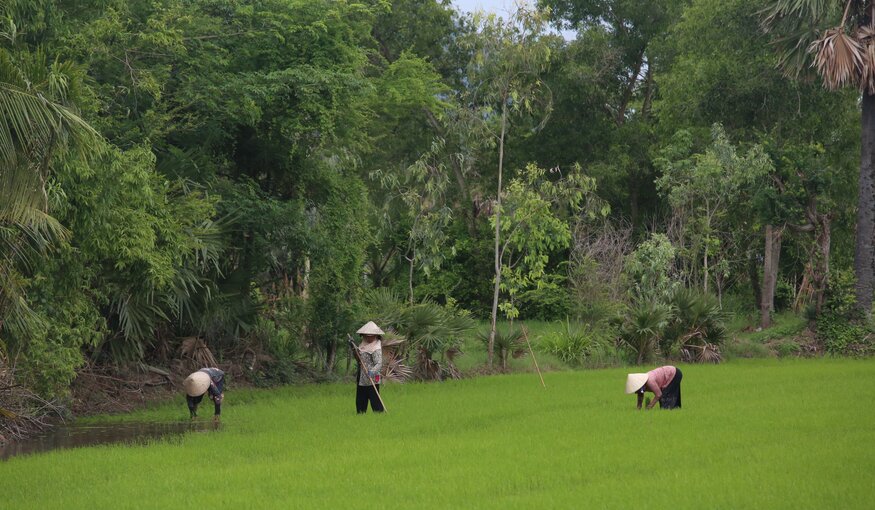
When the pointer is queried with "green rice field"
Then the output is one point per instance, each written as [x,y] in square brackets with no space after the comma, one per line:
[752,434]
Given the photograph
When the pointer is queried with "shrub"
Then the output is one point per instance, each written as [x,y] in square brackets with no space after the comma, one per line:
[840,298]
[840,336]
[786,348]
[840,328]
[696,326]
[785,293]
[507,343]
[549,301]
[577,343]
[429,329]
[642,328]
[744,348]
[648,269]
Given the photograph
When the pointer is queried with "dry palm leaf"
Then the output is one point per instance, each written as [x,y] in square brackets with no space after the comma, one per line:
[707,353]
[394,368]
[196,349]
[451,370]
[865,36]
[838,58]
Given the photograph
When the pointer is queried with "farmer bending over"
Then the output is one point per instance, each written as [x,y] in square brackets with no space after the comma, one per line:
[205,380]
[663,382]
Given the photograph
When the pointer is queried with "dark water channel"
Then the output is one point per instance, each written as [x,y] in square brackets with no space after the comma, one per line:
[75,436]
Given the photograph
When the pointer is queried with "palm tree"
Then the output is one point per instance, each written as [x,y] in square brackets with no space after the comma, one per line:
[837,37]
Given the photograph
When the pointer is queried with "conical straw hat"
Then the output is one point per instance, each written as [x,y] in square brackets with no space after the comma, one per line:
[634,382]
[370,329]
[196,384]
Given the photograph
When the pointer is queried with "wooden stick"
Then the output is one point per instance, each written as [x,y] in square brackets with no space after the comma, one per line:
[526,336]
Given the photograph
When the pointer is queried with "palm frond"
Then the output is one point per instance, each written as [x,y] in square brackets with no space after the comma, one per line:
[838,58]
[865,35]
[28,119]
[798,11]
[196,351]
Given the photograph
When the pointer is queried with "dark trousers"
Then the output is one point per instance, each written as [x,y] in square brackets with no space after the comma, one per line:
[671,395]
[363,394]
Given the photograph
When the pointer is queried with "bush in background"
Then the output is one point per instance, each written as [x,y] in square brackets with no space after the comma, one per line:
[840,328]
[577,345]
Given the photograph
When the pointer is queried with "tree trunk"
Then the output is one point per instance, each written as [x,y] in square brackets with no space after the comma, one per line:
[495,290]
[305,283]
[770,274]
[706,267]
[864,258]
[633,204]
[630,88]
[412,259]
[469,207]
[820,264]
[753,271]
[330,358]
[648,90]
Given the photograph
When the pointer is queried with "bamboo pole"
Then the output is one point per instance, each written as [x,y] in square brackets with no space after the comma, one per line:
[526,336]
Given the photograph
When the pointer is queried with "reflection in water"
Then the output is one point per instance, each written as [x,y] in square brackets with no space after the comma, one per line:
[74,436]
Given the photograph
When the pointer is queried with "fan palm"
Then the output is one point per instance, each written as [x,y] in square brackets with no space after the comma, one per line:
[837,37]
[642,327]
[696,327]
[506,344]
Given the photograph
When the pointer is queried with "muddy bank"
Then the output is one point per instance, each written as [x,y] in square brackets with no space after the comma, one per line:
[77,436]
[119,389]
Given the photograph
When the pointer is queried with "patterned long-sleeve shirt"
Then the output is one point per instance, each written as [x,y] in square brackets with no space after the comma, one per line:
[373,363]
[217,387]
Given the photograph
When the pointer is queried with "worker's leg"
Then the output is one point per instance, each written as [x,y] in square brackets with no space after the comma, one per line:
[376,405]
[361,399]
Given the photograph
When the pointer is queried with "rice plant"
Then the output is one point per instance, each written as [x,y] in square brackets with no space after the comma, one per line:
[784,434]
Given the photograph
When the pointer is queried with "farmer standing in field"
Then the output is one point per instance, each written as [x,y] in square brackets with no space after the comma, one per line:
[205,381]
[663,382]
[370,357]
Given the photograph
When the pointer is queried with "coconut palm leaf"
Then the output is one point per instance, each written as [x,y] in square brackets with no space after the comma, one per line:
[28,119]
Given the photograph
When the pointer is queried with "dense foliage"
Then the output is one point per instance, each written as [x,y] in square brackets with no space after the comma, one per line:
[249,173]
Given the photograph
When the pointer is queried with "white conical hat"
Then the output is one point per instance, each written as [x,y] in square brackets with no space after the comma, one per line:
[370,329]
[196,384]
[635,382]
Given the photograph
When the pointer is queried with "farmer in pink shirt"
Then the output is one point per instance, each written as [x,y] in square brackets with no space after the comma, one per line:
[663,382]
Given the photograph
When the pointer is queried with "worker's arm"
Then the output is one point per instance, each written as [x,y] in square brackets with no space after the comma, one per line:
[192,407]
[374,370]
[657,393]
[640,399]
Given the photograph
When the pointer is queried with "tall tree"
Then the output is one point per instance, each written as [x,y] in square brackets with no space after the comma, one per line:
[505,80]
[838,39]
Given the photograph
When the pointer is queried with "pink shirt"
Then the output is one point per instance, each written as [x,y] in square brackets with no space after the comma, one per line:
[658,378]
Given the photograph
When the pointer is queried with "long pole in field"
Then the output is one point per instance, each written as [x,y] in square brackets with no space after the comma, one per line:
[355,350]
[526,336]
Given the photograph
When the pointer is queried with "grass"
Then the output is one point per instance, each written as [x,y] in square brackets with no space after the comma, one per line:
[753,434]
[744,341]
